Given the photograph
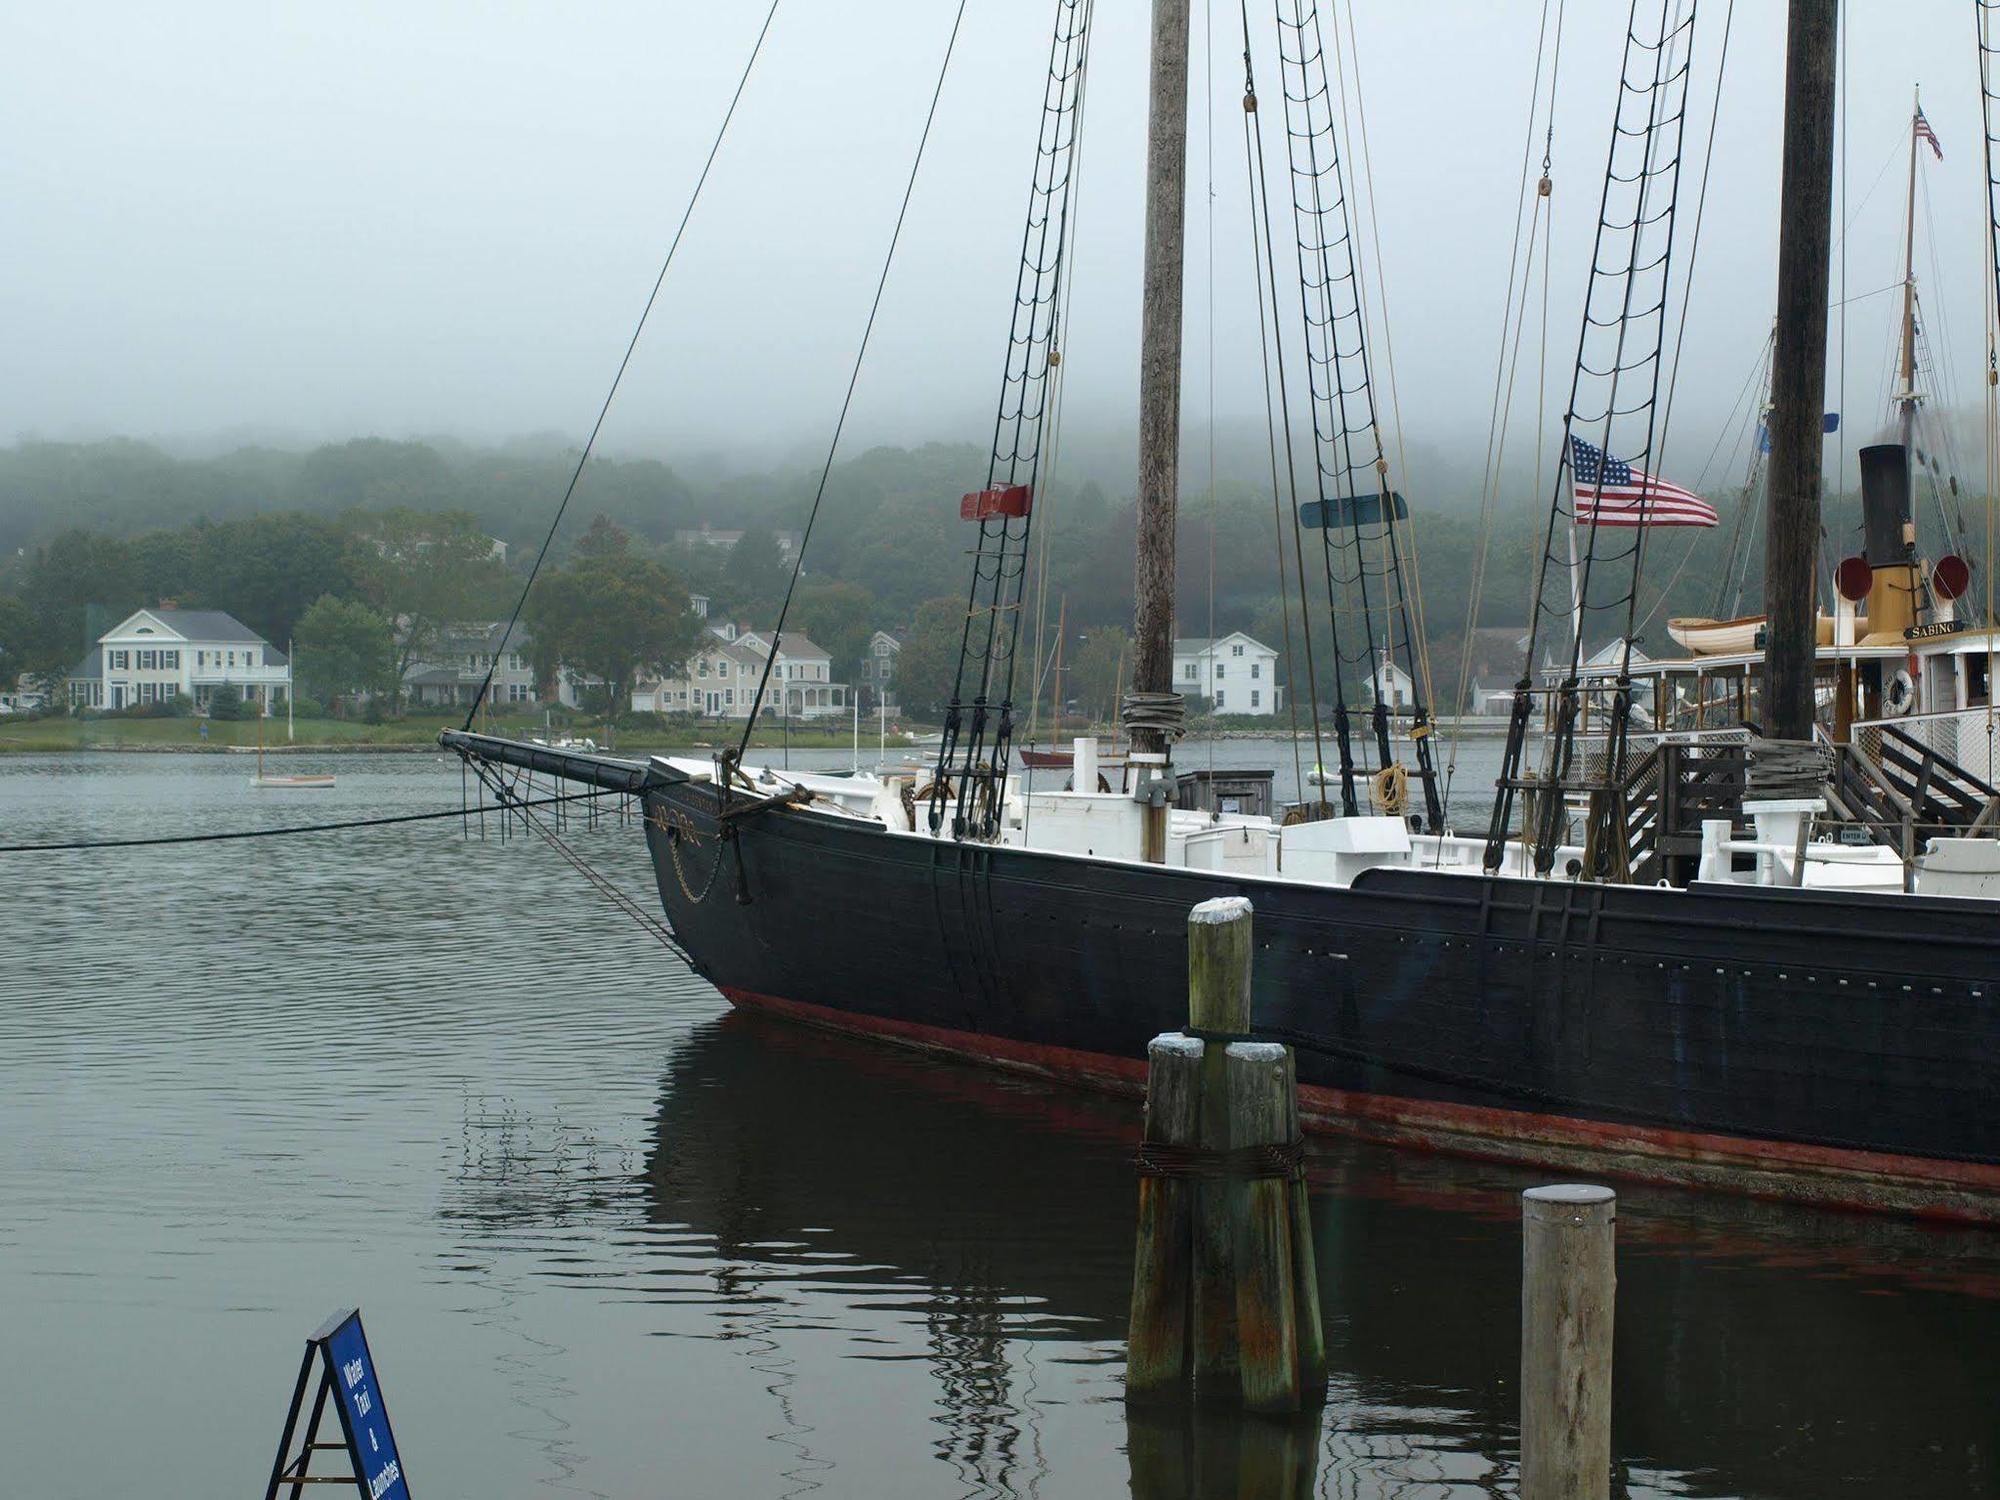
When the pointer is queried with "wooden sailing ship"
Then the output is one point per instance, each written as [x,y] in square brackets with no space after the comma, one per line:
[1758,1018]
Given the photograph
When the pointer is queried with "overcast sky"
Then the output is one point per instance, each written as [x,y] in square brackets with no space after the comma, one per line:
[314,221]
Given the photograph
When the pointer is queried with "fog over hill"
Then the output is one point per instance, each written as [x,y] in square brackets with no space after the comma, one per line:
[287,228]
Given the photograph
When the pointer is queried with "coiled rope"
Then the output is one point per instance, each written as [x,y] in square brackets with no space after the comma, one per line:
[1163,713]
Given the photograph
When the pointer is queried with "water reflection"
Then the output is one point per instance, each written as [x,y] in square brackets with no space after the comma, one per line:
[1762,1349]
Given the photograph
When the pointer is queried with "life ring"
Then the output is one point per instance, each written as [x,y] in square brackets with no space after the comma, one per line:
[1902,694]
[1389,789]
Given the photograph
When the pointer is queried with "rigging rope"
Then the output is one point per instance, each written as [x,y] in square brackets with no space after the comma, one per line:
[510,803]
[1271,341]
[1505,364]
[1208,225]
[1643,163]
[972,773]
[590,443]
[1413,597]
[1351,460]
[847,398]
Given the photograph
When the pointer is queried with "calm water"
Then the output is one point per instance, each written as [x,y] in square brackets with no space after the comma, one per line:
[612,1240]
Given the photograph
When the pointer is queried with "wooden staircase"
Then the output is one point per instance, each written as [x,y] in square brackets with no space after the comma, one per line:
[1669,794]
[1908,789]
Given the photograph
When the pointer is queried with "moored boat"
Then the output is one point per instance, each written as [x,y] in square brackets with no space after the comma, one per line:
[1672,966]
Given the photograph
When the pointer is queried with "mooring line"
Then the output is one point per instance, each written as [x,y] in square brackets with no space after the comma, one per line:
[289,828]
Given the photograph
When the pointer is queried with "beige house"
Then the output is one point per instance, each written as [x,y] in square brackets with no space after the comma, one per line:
[721,680]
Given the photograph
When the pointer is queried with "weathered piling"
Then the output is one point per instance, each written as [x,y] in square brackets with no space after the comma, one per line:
[1266,1324]
[1305,1268]
[1156,1359]
[1218,1009]
[1225,1305]
[1568,1292]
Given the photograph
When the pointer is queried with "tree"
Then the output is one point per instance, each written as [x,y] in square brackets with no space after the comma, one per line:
[841,618]
[225,702]
[75,571]
[424,572]
[344,648]
[604,537]
[374,474]
[16,630]
[754,578]
[611,618]
[928,662]
[1092,678]
[265,569]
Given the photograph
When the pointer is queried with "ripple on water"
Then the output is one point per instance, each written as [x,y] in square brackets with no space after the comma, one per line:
[605,1232]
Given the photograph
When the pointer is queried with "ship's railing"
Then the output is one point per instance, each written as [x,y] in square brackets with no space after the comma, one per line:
[1967,737]
[1939,765]
[1593,750]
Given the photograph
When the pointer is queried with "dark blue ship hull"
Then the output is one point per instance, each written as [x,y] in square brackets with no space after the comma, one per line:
[1789,1043]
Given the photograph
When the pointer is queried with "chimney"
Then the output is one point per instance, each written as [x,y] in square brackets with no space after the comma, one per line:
[1893,594]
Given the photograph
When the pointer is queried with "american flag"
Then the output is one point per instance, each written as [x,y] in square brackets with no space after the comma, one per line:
[1925,133]
[1610,492]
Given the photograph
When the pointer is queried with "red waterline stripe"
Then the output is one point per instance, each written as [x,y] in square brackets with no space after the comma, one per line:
[1868,1180]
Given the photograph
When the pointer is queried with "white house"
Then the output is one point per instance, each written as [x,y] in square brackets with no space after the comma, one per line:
[156,654]
[1236,673]
[878,667]
[1391,685]
[449,672]
[24,697]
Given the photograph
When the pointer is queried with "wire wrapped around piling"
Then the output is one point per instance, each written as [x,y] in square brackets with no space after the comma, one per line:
[1165,713]
[1282,1160]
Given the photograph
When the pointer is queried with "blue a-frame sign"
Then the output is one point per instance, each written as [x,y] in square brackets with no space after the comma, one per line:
[347,1373]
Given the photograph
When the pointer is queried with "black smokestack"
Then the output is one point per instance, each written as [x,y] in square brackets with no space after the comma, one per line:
[1885,503]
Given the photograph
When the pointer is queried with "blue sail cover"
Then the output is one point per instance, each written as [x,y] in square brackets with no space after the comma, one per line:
[1352,510]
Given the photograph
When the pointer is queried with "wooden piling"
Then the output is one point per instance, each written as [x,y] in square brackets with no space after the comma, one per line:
[1219,949]
[1267,1337]
[1305,1261]
[1219,952]
[1157,1352]
[1225,1304]
[1568,1293]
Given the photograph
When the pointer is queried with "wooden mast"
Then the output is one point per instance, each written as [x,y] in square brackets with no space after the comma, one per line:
[1798,375]
[1160,380]
[1906,399]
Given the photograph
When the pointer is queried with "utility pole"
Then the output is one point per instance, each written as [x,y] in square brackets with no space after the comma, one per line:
[1798,373]
[1160,387]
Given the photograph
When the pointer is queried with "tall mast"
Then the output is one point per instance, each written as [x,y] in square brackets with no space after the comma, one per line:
[1906,398]
[1160,380]
[1798,371]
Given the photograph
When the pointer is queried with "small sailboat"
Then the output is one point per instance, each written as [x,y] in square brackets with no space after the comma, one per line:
[264,781]
[1110,757]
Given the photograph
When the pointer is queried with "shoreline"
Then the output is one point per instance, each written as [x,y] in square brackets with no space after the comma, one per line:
[1472,728]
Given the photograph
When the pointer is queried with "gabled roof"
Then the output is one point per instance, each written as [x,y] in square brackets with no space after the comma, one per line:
[91,666]
[1201,645]
[798,645]
[736,651]
[191,625]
